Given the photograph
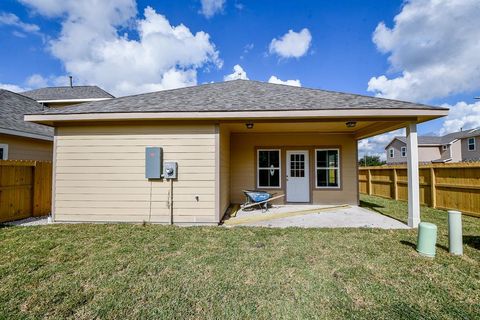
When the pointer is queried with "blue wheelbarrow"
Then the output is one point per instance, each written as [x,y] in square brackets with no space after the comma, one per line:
[260,199]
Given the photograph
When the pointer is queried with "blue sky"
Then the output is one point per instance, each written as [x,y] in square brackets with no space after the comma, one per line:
[349,50]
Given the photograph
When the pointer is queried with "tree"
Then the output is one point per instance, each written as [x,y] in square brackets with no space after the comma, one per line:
[368,161]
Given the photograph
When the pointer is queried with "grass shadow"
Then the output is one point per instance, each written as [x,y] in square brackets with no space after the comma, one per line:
[472,241]
[374,207]
[408,243]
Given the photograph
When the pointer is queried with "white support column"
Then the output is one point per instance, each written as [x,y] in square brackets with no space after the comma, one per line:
[413,180]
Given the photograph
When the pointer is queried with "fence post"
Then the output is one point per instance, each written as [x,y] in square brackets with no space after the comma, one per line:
[369,182]
[433,188]
[395,187]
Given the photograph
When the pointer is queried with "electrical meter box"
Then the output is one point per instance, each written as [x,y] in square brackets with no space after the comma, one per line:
[170,170]
[153,162]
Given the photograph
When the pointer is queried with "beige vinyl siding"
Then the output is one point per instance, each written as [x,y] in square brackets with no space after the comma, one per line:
[20,148]
[100,174]
[243,166]
[456,151]
[224,169]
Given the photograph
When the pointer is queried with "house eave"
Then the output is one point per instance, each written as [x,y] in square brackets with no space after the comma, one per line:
[26,134]
[419,115]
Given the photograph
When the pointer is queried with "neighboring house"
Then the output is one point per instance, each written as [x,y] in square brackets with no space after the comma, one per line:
[226,137]
[55,97]
[453,147]
[20,140]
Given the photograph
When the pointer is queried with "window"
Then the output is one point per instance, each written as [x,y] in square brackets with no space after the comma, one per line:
[471,144]
[327,168]
[404,151]
[297,165]
[444,147]
[268,168]
[391,153]
[3,151]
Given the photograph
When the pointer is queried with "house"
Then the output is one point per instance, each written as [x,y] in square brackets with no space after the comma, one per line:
[453,147]
[20,140]
[225,137]
[55,97]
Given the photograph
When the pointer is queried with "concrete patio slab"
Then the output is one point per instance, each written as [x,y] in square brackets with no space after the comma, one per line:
[336,217]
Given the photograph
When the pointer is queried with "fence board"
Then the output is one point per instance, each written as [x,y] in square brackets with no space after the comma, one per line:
[443,186]
[25,189]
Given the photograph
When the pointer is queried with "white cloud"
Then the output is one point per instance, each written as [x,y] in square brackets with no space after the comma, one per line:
[238,73]
[375,146]
[433,46]
[93,51]
[461,116]
[292,44]
[12,87]
[10,19]
[211,7]
[295,83]
[37,81]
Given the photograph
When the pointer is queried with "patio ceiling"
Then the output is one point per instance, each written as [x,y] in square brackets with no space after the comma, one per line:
[362,129]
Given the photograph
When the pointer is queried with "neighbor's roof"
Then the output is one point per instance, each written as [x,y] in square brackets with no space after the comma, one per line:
[12,108]
[68,93]
[238,95]
[440,140]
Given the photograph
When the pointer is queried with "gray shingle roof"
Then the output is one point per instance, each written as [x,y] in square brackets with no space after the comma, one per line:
[238,95]
[67,93]
[12,108]
[441,140]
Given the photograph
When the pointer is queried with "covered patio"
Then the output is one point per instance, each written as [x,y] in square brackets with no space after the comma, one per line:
[297,145]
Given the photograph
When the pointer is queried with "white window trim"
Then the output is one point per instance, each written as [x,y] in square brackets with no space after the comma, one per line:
[338,168]
[279,169]
[391,153]
[403,152]
[5,151]
[474,144]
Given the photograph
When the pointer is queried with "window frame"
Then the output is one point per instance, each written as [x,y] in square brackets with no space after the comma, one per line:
[391,153]
[4,146]
[474,144]
[403,152]
[445,147]
[339,182]
[279,168]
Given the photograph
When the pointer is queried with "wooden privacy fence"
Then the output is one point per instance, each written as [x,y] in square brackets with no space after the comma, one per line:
[25,189]
[444,186]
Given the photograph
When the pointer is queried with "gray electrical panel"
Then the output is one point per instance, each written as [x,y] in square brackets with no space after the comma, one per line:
[153,162]
[170,170]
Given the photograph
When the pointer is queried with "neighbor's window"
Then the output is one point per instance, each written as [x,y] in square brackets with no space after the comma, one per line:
[327,168]
[268,168]
[391,153]
[471,144]
[404,151]
[3,151]
[445,147]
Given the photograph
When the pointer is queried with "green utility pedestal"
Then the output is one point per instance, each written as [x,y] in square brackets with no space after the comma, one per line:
[455,241]
[427,239]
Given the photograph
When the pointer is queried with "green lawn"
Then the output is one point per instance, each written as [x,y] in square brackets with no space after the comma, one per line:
[134,271]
